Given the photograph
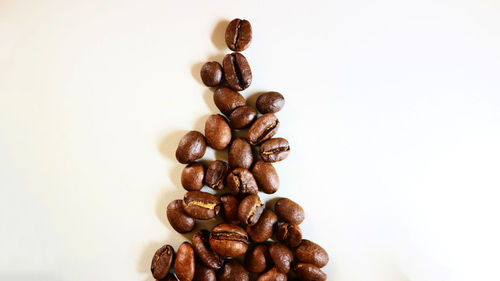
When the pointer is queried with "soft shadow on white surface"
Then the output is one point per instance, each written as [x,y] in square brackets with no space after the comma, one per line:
[218,36]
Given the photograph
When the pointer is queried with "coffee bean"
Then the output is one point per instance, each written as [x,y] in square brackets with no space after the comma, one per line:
[257,259]
[263,229]
[216,174]
[290,234]
[203,273]
[184,262]
[266,177]
[201,205]
[263,128]
[237,71]
[162,261]
[240,154]
[274,150]
[229,240]
[202,249]
[228,100]
[191,147]
[250,209]
[310,252]
[192,176]
[238,35]
[178,219]
[270,102]
[289,211]
[230,208]
[272,274]
[233,271]
[242,117]
[241,181]
[217,132]
[211,74]
[281,256]
[309,272]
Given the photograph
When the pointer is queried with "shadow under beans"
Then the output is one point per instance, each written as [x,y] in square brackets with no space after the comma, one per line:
[252,99]
[168,144]
[208,97]
[270,203]
[219,34]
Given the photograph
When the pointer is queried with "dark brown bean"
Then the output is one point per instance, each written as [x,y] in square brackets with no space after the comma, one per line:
[191,147]
[232,271]
[237,71]
[217,132]
[270,102]
[203,251]
[192,176]
[238,35]
[178,219]
[242,117]
[228,100]
[309,272]
[240,154]
[266,177]
[289,234]
[216,174]
[263,128]
[201,205]
[257,259]
[184,264]
[230,208]
[274,150]
[229,240]
[263,229]
[211,74]
[272,274]
[162,261]
[250,209]
[289,211]
[203,273]
[281,256]
[310,252]
[241,181]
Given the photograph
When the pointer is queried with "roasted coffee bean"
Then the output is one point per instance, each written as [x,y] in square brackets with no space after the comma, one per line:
[184,264]
[241,181]
[272,274]
[228,240]
[191,147]
[211,74]
[263,128]
[266,177]
[203,251]
[238,35]
[263,229]
[230,208]
[170,277]
[232,271]
[270,102]
[240,154]
[309,272]
[281,256]
[228,100]
[162,261]
[237,71]
[216,174]
[201,205]
[290,234]
[242,117]
[289,211]
[274,150]
[178,219]
[310,252]
[203,273]
[192,176]
[257,259]
[250,209]
[217,132]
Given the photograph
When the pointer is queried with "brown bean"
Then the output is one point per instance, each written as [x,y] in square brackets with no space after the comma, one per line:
[274,150]
[184,265]
[229,240]
[241,182]
[201,205]
[203,251]
[238,35]
[230,208]
[162,261]
[309,272]
[192,176]
[257,259]
[263,229]
[272,274]
[263,128]
[310,252]
[217,132]
[281,256]
[250,209]
[242,117]
[191,147]
[289,234]
[228,100]
[178,219]
[240,154]
[216,174]
[266,177]
[289,211]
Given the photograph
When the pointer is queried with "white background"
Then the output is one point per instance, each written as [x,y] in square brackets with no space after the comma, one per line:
[392,111]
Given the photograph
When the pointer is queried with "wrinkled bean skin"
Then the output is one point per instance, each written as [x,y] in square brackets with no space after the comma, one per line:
[274,150]
[216,174]
[203,273]
[310,252]
[237,72]
[162,261]
[242,117]
[250,210]
[272,274]
[270,102]
[232,271]
[309,272]
[201,245]
[217,132]
[281,256]
[241,181]
[289,234]
[184,264]
[178,219]
[228,100]
[201,205]
[289,211]
[257,259]
[266,177]
[229,240]
[192,146]
[211,74]
[263,229]
[230,208]
[238,35]
[192,176]
[240,154]
[263,128]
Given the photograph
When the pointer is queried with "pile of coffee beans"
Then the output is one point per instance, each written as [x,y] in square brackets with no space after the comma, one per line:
[270,240]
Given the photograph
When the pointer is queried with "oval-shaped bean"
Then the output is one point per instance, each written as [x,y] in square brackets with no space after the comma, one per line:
[238,35]
[266,177]
[263,229]
[242,117]
[192,176]
[229,240]
[191,147]
[241,182]
[203,251]
[211,74]
[240,154]
[263,128]
[250,209]
[310,252]
[237,71]
[309,272]
[178,219]
[281,256]
[228,100]
[289,234]
[270,102]
[289,211]
[184,264]
[201,205]
[274,150]
[162,261]
[216,174]
[257,259]
[217,132]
